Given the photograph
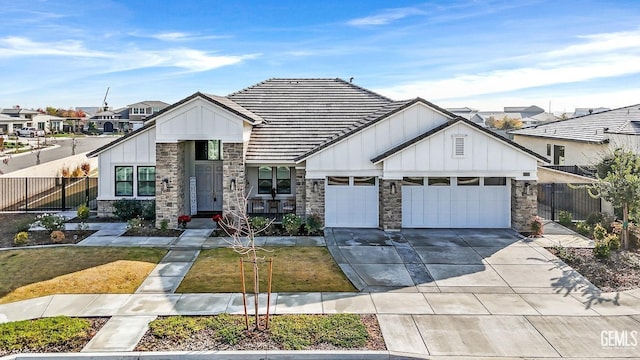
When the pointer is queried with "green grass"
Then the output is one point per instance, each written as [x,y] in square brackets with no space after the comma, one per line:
[290,332]
[43,333]
[295,269]
[31,273]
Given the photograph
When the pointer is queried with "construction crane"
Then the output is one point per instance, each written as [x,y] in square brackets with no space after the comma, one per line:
[104,101]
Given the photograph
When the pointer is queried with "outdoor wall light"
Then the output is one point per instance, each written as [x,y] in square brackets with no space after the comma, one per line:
[165,184]
[233,185]
[393,188]
[527,189]
[315,187]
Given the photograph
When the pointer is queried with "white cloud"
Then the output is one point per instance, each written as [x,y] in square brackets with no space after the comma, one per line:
[385,17]
[604,55]
[14,46]
[180,36]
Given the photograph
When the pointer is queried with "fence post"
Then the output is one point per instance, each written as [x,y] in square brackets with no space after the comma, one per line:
[86,190]
[64,193]
[26,194]
[553,201]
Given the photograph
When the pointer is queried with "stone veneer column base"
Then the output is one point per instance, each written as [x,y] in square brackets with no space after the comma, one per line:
[390,204]
[170,197]
[314,198]
[300,192]
[524,204]
[233,175]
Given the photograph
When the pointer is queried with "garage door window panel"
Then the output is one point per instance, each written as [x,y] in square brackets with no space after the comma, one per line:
[364,181]
[439,181]
[468,181]
[495,181]
[413,181]
[338,181]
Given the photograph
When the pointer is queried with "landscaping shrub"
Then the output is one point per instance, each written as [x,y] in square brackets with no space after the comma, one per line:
[296,332]
[583,228]
[291,224]
[613,241]
[594,218]
[57,237]
[149,211]
[136,222]
[537,227]
[599,232]
[43,333]
[313,224]
[258,223]
[565,218]
[183,220]
[83,212]
[50,222]
[164,224]
[21,238]
[601,250]
[125,209]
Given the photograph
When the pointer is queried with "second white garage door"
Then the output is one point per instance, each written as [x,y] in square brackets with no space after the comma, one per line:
[456,202]
[351,201]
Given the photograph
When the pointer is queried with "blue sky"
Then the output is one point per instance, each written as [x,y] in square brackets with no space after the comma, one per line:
[482,54]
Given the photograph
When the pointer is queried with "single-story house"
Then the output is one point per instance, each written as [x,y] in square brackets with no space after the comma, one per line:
[325,147]
[584,140]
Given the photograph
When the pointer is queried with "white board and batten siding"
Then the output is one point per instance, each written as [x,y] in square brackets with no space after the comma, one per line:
[484,155]
[352,156]
[199,119]
[138,150]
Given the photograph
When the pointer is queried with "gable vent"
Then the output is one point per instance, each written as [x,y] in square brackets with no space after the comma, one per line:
[459,144]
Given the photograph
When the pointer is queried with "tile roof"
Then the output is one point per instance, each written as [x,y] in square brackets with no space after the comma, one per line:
[302,114]
[592,128]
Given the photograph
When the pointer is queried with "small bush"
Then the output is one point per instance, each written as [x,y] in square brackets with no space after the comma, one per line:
[594,218]
[50,222]
[537,227]
[83,212]
[258,223]
[601,250]
[149,211]
[125,209]
[57,237]
[565,218]
[21,238]
[291,224]
[82,226]
[613,241]
[563,254]
[45,334]
[599,232]
[313,224]
[183,220]
[136,222]
[164,224]
[583,228]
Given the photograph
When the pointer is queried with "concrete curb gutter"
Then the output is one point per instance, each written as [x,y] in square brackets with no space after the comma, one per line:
[219,355]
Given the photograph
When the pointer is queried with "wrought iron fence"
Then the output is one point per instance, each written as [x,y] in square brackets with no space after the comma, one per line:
[47,194]
[553,198]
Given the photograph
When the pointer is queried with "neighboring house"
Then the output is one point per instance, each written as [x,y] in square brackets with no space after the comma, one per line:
[469,114]
[8,124]
[588,111]
[14,119]
[126,119]
[324,147]
[18,112]
[48,123]
[584,140]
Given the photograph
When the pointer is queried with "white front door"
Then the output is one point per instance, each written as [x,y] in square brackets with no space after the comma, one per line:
[351,201]
[463,202]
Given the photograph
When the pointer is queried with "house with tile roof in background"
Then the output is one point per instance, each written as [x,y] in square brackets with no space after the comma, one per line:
[125,119]
[322,147]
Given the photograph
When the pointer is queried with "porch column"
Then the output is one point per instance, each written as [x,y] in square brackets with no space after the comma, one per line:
[314,188]
[301,194]
[390,204]
[524,203]
[170,188]
[233,175]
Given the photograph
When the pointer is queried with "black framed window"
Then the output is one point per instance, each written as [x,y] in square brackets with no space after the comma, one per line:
[146,180]
[208,150]
[124,180]
[283,180]
[265,179]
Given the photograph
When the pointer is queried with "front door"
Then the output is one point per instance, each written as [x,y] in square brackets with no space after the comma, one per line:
[209,186]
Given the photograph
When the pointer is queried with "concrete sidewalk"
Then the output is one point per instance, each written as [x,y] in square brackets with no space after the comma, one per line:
[416,321]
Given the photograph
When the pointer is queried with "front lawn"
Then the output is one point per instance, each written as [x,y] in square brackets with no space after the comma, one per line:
[32,273]
[295,269]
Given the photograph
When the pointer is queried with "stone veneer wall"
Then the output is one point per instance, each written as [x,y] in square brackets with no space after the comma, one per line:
[170,199]
[232,169]
[301,194]
[390,205]
[524,204]
[314,200]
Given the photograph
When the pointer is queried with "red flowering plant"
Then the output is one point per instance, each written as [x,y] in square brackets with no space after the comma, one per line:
[217,218]
[183,220]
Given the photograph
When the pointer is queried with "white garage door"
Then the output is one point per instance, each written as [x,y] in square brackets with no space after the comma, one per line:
[351,201]
[462,202]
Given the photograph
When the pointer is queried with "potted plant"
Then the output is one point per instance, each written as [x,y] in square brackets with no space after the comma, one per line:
[183,220]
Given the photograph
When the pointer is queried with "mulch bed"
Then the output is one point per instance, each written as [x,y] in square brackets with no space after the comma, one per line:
[43,237]
[621,271]
[204,340]
[152,232]
[76,346]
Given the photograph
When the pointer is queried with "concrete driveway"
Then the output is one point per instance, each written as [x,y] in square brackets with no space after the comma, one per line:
[450,260]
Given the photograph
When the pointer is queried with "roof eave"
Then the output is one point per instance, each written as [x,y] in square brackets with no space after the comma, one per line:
[603,141]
